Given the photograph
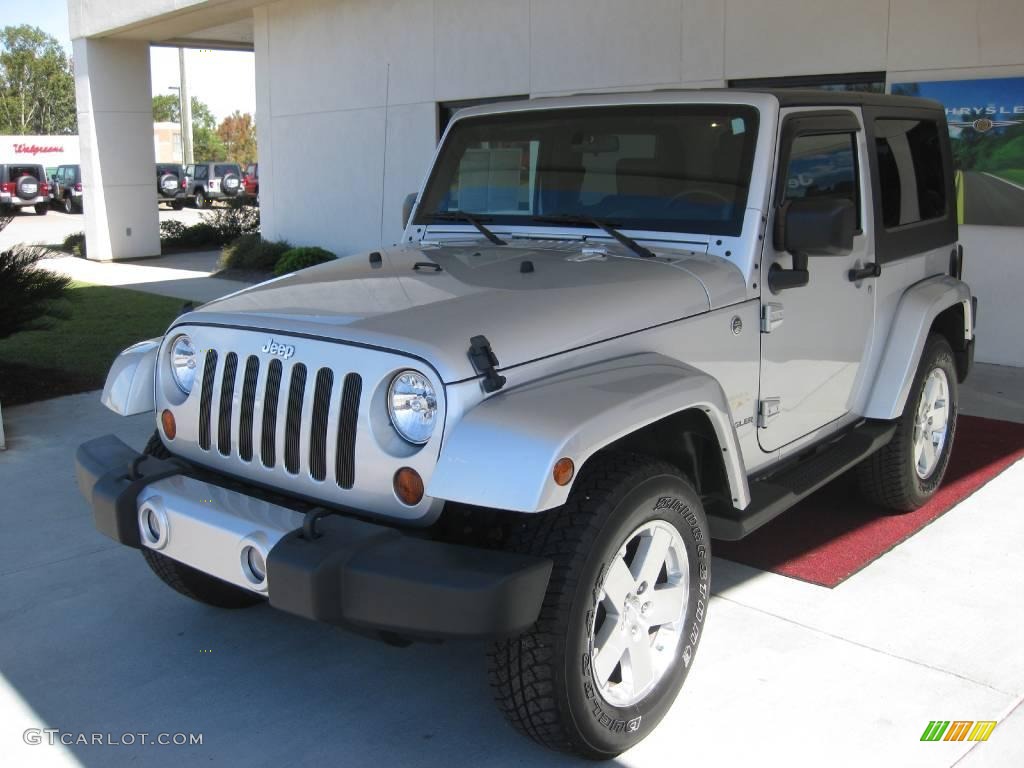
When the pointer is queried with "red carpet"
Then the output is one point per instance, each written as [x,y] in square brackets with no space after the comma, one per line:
[833,533]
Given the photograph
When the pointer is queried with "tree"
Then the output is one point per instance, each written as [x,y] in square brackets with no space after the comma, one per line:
[238,132]
[37,84]
[206,144]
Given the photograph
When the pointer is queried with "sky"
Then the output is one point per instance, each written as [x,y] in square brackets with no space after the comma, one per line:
[225,80]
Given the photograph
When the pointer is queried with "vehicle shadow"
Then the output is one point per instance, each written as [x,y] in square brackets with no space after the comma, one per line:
[123,654]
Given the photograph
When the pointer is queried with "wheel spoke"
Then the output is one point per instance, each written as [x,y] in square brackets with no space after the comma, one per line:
[928,452]
[640,666]
[666,605]
[650,556]
[618,582]
[609,645]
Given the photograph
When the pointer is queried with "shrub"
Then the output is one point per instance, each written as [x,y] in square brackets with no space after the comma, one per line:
[28,293]
[300,258]
[75,244]
[252,252]
[172,230]
[232,221]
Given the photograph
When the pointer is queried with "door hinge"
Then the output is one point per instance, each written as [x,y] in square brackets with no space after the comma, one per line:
[768,409]
[772,315]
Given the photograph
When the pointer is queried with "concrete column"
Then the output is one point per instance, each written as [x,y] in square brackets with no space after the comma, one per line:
[115,129]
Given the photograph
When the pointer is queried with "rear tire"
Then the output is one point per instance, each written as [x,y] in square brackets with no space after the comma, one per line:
[572,682]
[188,581]
[69,206]
[42,209]
[199,199]
[908,471]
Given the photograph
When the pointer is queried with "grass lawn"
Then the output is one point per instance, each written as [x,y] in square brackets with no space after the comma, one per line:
[74,353]
[1016,175]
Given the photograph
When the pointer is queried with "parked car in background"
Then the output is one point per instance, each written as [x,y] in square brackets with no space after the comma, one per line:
[205,182]
[251,183]
[66,188]
[23,185]
[170,184]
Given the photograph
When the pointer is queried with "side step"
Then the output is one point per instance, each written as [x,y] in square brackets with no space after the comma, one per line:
[772,496]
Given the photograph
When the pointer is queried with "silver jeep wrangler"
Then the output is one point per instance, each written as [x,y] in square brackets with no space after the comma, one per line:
[617,328]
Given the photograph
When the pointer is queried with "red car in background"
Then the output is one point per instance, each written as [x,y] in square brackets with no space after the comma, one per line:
[251,182]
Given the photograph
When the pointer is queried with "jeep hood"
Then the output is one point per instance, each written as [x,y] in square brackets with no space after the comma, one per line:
[428,301]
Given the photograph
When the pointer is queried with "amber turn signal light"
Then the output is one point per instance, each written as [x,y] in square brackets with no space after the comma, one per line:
[563,471]
[167,421]
[409,486]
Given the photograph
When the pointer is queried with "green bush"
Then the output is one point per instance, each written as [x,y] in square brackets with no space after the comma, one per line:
[232,221]
[300,258]
[28,293]
[75,244]
[172,229]
[252,252]
[216,228]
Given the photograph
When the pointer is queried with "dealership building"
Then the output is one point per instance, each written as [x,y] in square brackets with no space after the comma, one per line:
[352,95]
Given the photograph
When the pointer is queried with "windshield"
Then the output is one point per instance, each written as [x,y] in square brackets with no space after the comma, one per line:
[682,168]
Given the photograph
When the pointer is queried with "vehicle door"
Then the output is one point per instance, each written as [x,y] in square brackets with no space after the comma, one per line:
[815,335]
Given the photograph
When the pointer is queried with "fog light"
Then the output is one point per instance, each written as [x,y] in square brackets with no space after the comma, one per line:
[167,421]
[409,486]
[563,471]
[153,526]
[254,566]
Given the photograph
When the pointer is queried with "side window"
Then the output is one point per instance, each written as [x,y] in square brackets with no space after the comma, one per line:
[823,165]
[910,171]
[202,172]
[60,175]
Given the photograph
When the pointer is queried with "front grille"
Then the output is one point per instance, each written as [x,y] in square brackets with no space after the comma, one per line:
[300,386]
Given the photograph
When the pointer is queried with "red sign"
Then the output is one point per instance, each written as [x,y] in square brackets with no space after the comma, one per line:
[35,149]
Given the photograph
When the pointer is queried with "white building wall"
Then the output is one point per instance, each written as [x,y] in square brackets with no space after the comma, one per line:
[322,82]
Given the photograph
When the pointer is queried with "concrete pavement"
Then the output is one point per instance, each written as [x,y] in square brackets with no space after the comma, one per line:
[788,674]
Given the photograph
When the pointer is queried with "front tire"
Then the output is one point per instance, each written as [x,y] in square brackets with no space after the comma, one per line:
[623,614]
[186,580]
[908,471]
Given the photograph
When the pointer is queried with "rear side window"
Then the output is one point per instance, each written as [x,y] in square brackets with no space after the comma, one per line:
[910,171]
[202,172]
[15,172]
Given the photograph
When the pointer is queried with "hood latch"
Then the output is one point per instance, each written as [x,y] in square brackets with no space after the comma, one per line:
[484,361]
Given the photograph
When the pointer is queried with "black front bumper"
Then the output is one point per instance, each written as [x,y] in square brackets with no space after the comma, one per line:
[352,573]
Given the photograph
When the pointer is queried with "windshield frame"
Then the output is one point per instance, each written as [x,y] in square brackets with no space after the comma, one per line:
[434,188]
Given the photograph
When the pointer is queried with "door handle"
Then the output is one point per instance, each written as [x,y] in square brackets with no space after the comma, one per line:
[871,269]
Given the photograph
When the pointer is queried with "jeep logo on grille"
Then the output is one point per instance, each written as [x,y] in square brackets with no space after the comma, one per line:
[281,350]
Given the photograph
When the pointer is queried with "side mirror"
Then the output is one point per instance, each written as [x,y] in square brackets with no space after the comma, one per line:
[819,226]
[407,205]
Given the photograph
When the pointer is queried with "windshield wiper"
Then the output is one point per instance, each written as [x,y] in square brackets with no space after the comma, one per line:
[629,242]
[468,217]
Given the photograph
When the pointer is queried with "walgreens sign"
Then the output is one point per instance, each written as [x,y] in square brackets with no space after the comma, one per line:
[50,151]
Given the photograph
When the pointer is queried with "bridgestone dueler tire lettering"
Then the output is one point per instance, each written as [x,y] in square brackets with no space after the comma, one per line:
[542,679]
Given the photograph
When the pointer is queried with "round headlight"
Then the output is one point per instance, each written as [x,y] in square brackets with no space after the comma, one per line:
[183,363]
[412,405]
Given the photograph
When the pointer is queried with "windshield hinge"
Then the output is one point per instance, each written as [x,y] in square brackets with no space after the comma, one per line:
[484,361]
[768,409]
[772,315]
